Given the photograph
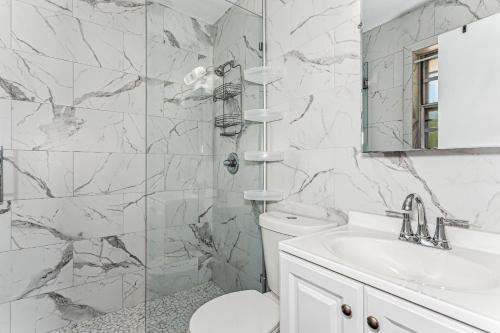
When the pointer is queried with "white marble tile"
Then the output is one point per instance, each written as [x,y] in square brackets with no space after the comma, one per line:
[5,226]
[310,19]
[134,212]
[65,37]
[173,136]
[173,208]
[103,89]
[134,288]
[385,105]
[278,28]
[51,221]
[101,258]
[5,124]
[182,102]
[135,54]
[57,6]
[32,174]
[181,62]
[386,136]
[5,317]
[392,36]
[35,271]
[5,24]
[306,176]
[134,133]
[28,77]
[184,172]
[97,173]
[453,14]
[65,307]
[187,33]
[64,128]
[171,278]
[128,17]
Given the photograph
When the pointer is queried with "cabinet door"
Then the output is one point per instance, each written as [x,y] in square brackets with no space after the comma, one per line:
[395,315]
[312,297]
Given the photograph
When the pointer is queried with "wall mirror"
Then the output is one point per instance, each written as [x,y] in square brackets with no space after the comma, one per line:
[431,74]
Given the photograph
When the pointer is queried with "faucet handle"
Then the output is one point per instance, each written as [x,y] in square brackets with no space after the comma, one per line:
[397,213]
[440,240]
[406,233]
[456,223]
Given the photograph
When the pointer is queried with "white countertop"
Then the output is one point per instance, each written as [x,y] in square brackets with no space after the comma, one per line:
[480,309]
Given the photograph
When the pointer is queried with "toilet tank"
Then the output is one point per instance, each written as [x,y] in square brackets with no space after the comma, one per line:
[277,227]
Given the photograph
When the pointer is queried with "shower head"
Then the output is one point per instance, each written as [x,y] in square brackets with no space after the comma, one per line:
[224,68]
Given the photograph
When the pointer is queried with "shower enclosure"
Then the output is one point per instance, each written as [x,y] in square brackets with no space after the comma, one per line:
[202,236]
[123,137]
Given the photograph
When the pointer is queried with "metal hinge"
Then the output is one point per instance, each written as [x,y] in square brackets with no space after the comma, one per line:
[261,46]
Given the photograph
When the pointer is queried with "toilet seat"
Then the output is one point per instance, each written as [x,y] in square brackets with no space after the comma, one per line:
[243,312]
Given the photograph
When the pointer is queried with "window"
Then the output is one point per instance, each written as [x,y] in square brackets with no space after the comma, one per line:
[427,68]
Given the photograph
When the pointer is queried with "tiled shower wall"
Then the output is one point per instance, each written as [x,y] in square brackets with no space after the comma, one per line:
[324,172]
[237,262]
[72,108]
[180,139]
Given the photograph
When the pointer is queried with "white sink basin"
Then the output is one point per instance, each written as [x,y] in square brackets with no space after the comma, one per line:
[412,263]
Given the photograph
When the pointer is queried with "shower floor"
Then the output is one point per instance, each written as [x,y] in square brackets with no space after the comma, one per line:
[169,314]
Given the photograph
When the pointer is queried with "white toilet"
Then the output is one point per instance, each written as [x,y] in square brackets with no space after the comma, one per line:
[250,311]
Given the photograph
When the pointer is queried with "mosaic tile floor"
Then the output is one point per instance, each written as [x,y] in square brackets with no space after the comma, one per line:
[170,314]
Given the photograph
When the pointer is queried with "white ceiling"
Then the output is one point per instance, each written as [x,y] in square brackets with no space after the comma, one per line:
[376,12]
[208,11]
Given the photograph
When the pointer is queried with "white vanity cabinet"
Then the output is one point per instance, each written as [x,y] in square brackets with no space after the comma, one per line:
[316,300]
[311,299]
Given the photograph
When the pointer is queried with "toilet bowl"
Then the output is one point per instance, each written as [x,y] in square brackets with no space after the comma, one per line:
[250,311]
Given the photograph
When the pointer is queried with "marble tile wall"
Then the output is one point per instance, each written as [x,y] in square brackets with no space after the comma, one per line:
[72,106]
[237,262]
[180,151]
[327,175]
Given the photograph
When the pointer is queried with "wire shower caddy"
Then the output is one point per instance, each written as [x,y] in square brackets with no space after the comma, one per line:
[227,93]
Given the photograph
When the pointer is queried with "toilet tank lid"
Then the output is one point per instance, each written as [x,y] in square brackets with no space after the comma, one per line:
[293,225]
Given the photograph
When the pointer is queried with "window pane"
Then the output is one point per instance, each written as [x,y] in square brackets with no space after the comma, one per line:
[432,91]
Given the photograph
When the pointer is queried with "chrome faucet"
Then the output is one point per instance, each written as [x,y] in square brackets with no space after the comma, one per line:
[422,237]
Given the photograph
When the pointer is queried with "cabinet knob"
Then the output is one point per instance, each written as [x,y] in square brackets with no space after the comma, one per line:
[346,310]
[373,323]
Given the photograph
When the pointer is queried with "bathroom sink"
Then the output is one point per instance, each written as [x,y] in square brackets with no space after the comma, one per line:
[411,263]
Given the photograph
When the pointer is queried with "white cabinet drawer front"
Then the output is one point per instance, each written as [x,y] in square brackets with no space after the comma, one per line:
[395,315]
[312,299]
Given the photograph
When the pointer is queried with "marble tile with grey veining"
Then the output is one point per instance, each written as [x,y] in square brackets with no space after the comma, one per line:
[56,6]
[51,221]
[134,212]
[35,271]
[65,37]
[65,128]
[102,89]
[134,52]
[307,176]
[392,36]
[127,16]
[62,308]
[5,123]
[173,208]
[187,33]
[27,77]
[102,258]
[309,20]
[5,23]
[112,173]
[5,226]
[183,102]
[451,14]
[184,172]
[173,136]
[37,174]
[134,133]
[181,62]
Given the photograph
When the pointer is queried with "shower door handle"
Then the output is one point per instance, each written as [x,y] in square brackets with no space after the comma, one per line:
[1,174]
